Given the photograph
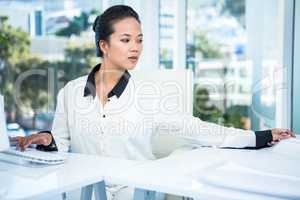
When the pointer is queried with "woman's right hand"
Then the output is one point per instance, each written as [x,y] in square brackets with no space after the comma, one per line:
[23,142]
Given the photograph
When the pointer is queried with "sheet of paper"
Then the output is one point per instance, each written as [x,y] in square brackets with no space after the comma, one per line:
[235,177]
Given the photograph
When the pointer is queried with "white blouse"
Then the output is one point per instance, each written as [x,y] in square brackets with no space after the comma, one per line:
[120,128]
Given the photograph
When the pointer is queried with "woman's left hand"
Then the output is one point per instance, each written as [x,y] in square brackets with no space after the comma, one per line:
[280,134]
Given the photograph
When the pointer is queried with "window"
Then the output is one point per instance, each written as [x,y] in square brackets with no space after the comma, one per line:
[216,47]
[166,31]
[235,65]
[44,44]
[238,74]
[296,72]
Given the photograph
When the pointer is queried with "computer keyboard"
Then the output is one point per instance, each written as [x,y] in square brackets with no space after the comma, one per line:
[35,156]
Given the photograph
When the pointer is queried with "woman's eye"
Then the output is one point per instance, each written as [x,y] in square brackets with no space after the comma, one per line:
[140,41]
[125,40]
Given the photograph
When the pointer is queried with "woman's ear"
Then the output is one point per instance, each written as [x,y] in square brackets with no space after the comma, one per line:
[104,47]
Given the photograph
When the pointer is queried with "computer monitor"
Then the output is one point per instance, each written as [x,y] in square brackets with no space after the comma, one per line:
[4,141]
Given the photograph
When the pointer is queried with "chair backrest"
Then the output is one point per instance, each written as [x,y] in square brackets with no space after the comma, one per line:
[174,89]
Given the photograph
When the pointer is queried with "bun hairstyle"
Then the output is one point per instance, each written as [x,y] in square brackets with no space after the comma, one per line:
[103,24]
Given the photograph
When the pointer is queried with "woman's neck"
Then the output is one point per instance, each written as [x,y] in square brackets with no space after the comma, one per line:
[109,74]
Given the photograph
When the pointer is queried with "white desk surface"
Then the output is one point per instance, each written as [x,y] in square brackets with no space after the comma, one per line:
[19,182]
[179,174]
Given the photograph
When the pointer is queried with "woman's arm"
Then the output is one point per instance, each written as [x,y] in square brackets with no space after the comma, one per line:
[60,130]
[210,134]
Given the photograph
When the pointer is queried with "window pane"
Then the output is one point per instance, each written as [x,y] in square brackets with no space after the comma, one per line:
[296,71]
[45,44]
[166,27]
[216,43]
[234,52]
[265,51]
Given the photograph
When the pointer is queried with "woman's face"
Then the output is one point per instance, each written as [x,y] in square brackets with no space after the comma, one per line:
[125,44]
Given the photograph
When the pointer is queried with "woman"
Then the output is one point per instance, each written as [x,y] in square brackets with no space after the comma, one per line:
[95,114]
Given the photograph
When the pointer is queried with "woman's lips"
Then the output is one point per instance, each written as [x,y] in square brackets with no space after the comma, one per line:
[133,58]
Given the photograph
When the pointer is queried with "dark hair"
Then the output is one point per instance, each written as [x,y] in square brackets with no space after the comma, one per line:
[103,24]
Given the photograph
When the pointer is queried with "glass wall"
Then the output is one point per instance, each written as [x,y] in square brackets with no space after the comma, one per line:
[296,71]
[266,40]
[44,44]
[217,53]
[166,33]
[235,48]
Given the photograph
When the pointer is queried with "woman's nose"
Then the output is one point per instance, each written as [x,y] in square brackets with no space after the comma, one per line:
[135,47]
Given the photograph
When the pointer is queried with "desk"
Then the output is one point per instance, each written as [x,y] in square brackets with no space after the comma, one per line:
[19,182]
[179,174]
